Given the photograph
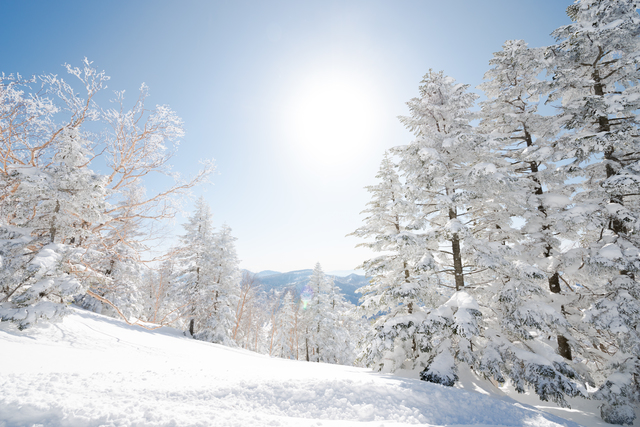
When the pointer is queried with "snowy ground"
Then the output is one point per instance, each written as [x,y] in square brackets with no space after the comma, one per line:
[89,370]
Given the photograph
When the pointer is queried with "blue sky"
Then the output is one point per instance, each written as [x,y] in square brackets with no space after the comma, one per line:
[295,100]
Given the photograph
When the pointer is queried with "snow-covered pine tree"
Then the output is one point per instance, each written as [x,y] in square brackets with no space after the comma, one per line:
[459,222]
[526,295]
[322,330]
[346,328]
[193,273]
[223,287]
[394,297]
[207,277]
[596,75]
[286,324]
[315,302]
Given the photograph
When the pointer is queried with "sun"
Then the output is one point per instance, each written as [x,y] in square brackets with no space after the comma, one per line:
[330,117]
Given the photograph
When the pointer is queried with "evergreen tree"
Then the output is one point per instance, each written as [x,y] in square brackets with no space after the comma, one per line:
[207,278]
[595,67]
[322,330]
[193,273]
[346,328]
[529,307]
[315,304]
[463,188]
[394,297]
[286,324]
[223,288]
[459,222]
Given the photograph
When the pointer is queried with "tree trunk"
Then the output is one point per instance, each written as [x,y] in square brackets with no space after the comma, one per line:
[318,345]
[563,343]
[306,344]
[604,125]
[457,255]
[563,347]
[53,229]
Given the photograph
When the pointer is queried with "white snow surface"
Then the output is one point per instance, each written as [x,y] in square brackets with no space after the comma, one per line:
[610,251]
[90,370]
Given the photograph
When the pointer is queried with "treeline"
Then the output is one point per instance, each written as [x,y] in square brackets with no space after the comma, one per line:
[202,290]
[509,238]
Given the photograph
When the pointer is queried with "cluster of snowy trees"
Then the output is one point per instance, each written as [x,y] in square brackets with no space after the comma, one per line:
[316,324]
[205,278]
[68,233]
[71,235]
[204,290]
[509,239]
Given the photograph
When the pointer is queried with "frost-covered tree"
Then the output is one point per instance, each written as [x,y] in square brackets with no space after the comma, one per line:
[524,138]
[49,194]
[489,281]
[451,179]
[284,338]
[207,277]
[323,330]
[57,206]
[159,306]
[193,274]
[121,259]
[347,328]
[458,222]
[394,291]
[530,303]
[247,308]
[36,281]
[596,71]
[224,287]
[316,317]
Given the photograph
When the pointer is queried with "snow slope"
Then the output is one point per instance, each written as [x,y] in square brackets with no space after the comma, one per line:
[90,370]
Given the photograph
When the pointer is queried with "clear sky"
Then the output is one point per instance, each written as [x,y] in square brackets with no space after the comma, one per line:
[295,100]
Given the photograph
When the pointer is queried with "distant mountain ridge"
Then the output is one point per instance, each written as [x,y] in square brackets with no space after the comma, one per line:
[266,273]
[298,279]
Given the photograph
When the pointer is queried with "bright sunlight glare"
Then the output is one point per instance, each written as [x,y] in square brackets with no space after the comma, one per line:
[330,117]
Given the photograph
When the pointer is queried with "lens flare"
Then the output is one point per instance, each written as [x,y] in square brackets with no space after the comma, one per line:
[306,296]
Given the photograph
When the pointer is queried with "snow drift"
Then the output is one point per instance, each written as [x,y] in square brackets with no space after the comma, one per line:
[90,370]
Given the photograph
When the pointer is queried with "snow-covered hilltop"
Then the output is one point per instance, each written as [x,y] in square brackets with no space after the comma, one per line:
[91,370]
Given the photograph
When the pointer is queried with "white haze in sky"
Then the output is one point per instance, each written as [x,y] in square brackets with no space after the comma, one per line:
[296,101]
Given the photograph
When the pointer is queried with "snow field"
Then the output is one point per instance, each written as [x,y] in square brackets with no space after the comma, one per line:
[89,370]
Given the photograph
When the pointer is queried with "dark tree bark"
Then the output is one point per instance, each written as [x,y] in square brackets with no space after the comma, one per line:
[457,255]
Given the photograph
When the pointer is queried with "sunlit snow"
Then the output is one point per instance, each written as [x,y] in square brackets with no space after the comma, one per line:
[89,370]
